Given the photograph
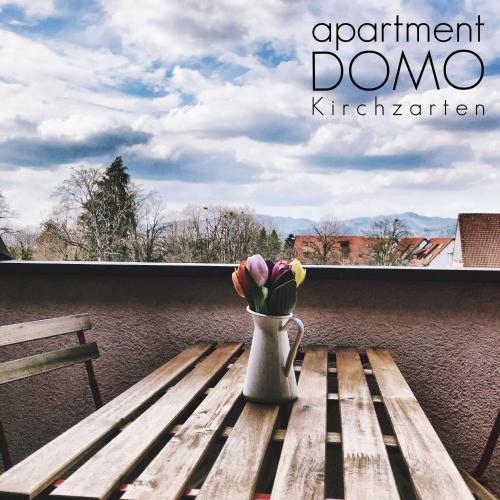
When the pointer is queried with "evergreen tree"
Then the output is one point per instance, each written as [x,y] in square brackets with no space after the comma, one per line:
[109,214]
[288,248]
[273,245]
[262,242]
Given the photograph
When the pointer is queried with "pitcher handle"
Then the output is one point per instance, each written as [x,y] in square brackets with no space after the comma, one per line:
[295,346]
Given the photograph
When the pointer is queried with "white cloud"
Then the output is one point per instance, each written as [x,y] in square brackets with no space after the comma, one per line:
[193,76]
[29,191]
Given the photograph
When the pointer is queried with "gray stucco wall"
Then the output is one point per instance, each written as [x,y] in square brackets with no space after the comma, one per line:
[444,336]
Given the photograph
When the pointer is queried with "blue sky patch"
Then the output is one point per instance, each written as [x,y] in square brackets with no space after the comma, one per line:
[271,57]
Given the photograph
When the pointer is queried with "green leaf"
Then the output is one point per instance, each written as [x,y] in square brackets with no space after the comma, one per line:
[262,306]
[256,295]
[286,276]
[283,299]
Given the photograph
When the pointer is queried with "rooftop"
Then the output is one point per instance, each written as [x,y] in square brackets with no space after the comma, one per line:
[357,250]
[479,237]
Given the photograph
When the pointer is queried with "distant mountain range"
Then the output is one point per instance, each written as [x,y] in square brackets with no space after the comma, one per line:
[418,225]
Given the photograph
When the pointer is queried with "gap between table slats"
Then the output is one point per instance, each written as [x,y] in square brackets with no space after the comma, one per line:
[333,396]
[432,471]
[366,466]
[31,476]
[98,477]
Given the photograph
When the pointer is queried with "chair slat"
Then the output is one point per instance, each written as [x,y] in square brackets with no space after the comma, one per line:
[367,469]
[97,477]
[167,475]
[236,470]
[35,473]
[46,362]
[432,471]
[33,330]
[301,469]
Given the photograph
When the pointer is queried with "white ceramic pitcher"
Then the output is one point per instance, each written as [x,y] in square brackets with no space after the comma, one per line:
[270,377]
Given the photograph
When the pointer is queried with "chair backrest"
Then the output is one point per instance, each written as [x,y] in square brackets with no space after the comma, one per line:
[48,361]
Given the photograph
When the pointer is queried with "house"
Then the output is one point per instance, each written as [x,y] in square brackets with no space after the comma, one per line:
[477,241]
[352,250]
[357,250]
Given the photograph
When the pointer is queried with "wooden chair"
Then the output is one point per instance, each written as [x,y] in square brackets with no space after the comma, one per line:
[478,482]
[48,361]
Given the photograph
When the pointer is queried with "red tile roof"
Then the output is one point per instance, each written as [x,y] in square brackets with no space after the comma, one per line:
[359,249]
[480,239]
[427,252]
[415,251]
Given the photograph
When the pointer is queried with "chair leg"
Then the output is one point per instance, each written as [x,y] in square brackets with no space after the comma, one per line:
[4,449]
[94,387]
[488,449]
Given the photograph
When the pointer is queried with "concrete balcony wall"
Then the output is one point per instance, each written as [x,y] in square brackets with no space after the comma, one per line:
[442,327]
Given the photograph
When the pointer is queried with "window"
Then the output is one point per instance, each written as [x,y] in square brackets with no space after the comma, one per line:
[344,247]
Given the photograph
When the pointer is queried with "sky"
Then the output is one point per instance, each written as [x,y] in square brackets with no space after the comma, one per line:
[210,103]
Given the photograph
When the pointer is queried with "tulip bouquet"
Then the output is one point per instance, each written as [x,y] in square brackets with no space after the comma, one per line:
[270,288]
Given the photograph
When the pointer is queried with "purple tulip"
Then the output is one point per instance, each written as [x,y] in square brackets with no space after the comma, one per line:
[258,269]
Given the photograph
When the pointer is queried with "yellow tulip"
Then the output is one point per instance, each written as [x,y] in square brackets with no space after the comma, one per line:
[299,271]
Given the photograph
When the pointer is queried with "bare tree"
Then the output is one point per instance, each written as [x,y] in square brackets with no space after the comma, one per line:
[6,214]
[50,246]
[23,242]
[151,229]
[322,249]
[62,229]
[213,234]
[386,237]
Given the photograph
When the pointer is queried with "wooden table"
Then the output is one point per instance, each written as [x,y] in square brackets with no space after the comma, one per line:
[184,431]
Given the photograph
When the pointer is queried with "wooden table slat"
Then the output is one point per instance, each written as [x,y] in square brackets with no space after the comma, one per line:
[167,475]
[97,477]
[236,471]
[432,471]
[39,470]
[301,469]
[367,470]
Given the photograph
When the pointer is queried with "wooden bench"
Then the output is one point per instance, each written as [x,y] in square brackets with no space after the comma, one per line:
[41,363]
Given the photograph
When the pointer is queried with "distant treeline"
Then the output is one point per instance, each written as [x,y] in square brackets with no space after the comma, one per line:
[102,215]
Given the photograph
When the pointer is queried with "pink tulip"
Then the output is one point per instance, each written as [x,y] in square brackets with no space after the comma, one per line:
[279,268]
[257,267]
